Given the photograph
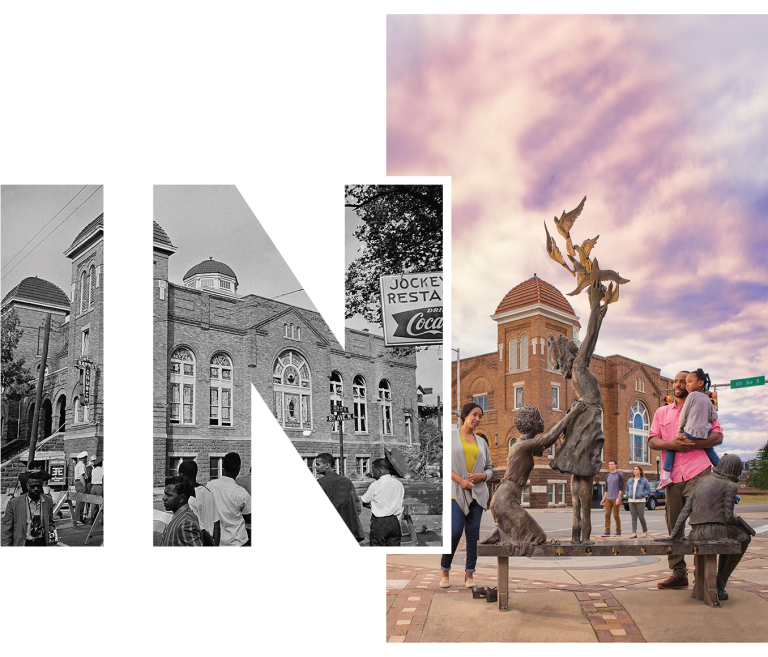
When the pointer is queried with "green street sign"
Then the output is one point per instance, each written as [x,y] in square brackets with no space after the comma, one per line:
[746,383]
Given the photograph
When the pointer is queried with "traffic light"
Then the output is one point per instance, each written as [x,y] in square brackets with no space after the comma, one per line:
[713,398]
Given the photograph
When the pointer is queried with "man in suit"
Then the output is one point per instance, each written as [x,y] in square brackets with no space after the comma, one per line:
[341,493]
[28,519]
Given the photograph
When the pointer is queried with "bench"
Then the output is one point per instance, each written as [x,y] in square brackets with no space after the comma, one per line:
[704,560]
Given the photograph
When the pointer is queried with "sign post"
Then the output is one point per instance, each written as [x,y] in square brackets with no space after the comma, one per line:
[340,413]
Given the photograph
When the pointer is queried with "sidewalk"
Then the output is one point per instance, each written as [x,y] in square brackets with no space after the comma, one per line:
[576,600]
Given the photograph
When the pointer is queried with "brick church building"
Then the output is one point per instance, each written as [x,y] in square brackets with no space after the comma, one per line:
[518,372]
[71,416]
[211,344]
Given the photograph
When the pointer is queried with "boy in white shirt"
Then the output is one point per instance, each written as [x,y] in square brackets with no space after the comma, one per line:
[385,499]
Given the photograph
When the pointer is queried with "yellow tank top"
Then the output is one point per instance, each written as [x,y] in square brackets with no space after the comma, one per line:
[471,452]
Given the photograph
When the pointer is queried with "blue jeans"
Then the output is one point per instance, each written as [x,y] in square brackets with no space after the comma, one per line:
[669,457]
[460,523]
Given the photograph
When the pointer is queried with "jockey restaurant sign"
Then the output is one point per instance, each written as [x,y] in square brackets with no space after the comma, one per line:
[412,309]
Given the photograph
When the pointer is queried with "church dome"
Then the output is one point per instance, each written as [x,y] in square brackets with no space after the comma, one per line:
[39,291]
[210,266]
[531,292]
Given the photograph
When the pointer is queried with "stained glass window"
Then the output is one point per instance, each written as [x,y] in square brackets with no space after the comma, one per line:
[292,381]
[92,287]
[360,404]
[638,433]
[337,392]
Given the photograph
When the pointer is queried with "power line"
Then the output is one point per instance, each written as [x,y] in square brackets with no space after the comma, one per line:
[301,289]
[49,234]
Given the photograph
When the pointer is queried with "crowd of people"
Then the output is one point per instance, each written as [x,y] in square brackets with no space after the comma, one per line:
[214,514]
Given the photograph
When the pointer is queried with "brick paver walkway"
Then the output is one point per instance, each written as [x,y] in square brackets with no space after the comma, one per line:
[408,611]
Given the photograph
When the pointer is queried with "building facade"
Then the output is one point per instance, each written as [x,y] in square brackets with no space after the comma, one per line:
[71,416]
[211,345]
[519,372]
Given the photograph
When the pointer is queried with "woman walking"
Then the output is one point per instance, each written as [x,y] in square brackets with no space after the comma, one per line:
[470,468]
[637,490]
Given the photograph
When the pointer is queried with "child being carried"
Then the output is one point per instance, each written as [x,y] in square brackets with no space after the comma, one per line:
[696,420]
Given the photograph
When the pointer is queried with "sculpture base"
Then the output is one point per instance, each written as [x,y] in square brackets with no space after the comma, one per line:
[705,585]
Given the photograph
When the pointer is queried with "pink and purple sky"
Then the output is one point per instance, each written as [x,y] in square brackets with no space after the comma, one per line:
[662,122]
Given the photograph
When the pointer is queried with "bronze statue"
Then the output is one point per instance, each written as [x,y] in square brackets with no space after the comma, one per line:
[580,453]
[709,511]
[515,528]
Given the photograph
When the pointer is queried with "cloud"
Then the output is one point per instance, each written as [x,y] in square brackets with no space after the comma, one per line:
[661,121]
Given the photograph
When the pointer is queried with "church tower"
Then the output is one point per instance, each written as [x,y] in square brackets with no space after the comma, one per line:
[162,250]
[528,319]
[85,419]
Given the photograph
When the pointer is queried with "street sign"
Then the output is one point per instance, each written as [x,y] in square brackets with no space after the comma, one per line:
[340,416]
[747,383]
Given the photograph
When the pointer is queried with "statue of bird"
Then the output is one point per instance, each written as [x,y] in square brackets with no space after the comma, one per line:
[554,252]
[594,275]
[565,223]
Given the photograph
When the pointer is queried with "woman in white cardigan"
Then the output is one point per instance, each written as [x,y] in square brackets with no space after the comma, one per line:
[470,467]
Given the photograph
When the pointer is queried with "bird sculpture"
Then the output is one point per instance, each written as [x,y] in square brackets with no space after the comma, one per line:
[585,278]
[586,271]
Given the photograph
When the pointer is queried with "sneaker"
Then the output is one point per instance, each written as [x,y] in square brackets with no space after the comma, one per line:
[673,583]
[617,534]
[606,534]
[664,483]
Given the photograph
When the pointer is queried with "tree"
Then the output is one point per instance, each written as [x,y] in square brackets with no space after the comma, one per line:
[402,230]
[430,446]
[759,478]
[16,379]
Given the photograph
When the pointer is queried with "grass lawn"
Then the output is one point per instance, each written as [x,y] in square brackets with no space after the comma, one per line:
[753,499]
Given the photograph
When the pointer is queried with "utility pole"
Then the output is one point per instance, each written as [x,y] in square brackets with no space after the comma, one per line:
[39,393]
[458,384]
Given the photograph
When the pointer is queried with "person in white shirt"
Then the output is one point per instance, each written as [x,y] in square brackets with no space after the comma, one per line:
[232,502]
[97,488]
[385,499]
[80,485]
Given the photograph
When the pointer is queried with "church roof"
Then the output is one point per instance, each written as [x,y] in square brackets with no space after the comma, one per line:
[534,291]
[159,236]
[211,266]
[38,290]
[98,222]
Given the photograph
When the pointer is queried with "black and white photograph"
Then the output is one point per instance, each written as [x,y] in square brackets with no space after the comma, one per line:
[52,478]
[363,417]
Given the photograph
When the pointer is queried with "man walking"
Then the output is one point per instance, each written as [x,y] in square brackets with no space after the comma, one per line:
[203,505]
[614,487]
[81,484]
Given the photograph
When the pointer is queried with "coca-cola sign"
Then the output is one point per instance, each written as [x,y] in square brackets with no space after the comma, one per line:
[412,308]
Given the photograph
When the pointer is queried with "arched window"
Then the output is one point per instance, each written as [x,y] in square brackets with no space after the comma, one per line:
[293,391]
[83,292]
[524,352]
[385,398]
[182,386]
[550,342]
[337,392]
[92,287]
[638,433]
[360,406]
[285,329]
[513,355]
[221,391]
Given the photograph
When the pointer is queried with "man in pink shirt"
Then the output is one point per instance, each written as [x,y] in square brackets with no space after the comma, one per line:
[691,464]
